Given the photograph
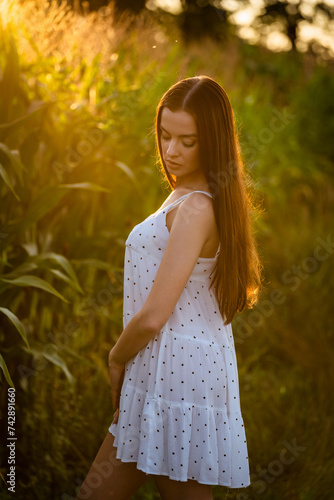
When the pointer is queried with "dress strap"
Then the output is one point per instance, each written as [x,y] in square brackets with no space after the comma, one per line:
[204,192]
[176,202]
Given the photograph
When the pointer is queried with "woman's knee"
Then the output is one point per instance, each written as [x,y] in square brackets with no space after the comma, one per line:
[110,478]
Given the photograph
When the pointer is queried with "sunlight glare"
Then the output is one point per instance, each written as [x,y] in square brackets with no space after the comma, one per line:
[277,41]
[248,33]
[171,6]
[6,13]
[243,17]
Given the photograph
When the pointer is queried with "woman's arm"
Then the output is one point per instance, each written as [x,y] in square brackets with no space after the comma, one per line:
[190,230]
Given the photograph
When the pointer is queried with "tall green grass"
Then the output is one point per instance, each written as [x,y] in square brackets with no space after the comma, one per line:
[78,171]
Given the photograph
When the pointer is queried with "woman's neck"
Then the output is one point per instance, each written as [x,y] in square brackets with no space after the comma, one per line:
[192,182]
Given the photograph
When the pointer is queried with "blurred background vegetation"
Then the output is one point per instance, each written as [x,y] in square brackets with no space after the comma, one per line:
[79,84]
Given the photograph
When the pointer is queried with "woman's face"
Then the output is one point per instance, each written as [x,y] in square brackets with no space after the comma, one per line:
[179,142]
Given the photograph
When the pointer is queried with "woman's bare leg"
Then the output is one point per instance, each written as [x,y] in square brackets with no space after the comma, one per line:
[109,478]
[170,489]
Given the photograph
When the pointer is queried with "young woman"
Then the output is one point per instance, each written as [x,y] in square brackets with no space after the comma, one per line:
[189,268]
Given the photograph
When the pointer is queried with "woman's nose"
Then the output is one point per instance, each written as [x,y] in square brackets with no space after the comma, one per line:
[172,149]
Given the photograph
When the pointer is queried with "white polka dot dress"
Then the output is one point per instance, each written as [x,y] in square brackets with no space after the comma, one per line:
[179,412]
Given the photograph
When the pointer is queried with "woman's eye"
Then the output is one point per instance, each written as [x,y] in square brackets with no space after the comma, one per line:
[188,144]
[164,138]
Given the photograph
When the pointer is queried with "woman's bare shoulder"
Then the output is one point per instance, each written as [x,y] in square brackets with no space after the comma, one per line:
[198,206]
[174,196]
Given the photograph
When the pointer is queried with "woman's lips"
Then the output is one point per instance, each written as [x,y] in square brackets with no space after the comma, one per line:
[170,162]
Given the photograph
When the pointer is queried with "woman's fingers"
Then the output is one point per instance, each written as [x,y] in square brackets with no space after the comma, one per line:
[116,375]
[116,415]
[115,398]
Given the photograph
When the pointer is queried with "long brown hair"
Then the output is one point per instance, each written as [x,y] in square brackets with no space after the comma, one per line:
[237,273]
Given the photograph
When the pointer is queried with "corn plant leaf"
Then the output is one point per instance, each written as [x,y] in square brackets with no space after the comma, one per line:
[2,478]
[30,248]
[16,322]
[21,270]
[6,179]
[13,155]
[62,262]
[37,261]
[58,361]
[4,368]
[8,128]
[67,280]
[125,169]
[85,185]
[84,360]
[47,199]
[36,282]
[99,264]
[53,357]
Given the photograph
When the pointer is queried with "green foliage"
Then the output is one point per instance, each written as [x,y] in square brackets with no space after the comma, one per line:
[77,172]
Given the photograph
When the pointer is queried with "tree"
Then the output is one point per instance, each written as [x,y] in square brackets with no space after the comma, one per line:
[202,18]
[289,15]
[134,6]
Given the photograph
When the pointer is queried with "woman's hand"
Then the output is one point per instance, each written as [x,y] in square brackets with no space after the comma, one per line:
[116,376]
